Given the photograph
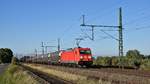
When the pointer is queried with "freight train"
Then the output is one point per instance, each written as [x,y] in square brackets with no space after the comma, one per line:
[76,56]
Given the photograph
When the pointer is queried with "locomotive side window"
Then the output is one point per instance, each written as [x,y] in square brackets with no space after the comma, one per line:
[85,52]
[75,52]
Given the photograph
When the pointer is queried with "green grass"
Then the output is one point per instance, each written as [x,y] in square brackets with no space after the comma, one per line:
[15,74]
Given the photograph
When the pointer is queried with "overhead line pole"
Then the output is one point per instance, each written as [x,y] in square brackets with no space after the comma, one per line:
[120,33]
[92,32]
[42,45]
[58,44]
[36,54]
[120,30]
[47,47]
[120,36]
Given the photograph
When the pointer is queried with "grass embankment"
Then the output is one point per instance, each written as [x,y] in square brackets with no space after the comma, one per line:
[15,74]
[75,78]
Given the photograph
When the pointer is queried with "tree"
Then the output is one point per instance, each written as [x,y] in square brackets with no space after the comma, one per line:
[134,58]
[147,56]
[134,54]
[145,64]
[6,55]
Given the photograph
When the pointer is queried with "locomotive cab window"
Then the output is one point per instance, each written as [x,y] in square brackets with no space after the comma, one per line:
[85,52]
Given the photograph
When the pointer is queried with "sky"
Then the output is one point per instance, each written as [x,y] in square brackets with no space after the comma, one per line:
[24,24]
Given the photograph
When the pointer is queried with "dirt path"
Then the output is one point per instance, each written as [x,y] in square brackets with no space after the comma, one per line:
[3,67]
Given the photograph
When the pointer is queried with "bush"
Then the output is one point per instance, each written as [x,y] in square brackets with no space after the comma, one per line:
[105,61]
[145,64]
[115,61]
[14,60]
[132,59]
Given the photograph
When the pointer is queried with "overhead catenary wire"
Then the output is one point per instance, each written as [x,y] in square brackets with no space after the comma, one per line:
[143,15]
[144,27]
[109,35]
[138,28]
[136,20]
[135,24]
[85,34]
[70,27]
[106,11]
[67,29]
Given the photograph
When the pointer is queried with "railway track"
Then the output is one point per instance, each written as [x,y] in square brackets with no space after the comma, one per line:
[130,72]
[116,76]
[44,78]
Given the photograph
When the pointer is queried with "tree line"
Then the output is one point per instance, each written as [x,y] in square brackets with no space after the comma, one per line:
[133,58]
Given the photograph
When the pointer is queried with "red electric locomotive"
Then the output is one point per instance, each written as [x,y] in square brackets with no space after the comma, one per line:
[79,56]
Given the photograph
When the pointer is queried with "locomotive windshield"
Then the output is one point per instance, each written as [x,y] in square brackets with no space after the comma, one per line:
[85,51]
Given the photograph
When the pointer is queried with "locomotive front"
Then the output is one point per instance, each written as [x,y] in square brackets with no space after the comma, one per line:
[85,57]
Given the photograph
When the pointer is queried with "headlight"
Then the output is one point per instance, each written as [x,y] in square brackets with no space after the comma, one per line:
[81,57]
[60,53]
[89,57]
